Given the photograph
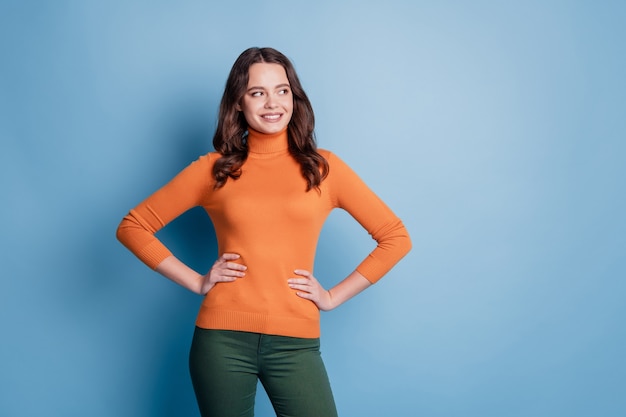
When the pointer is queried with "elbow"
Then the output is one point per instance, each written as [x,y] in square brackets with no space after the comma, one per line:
[402,238]
[126,228]
[404,245]
[408,244]
[402,241]
[120,232]
[397,242]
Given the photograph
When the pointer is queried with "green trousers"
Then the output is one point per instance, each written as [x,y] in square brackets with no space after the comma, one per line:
[226,365]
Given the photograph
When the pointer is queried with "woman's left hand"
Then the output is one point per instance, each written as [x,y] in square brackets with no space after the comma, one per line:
[309,288]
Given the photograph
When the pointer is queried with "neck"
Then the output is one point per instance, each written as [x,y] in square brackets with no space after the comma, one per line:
[267,143]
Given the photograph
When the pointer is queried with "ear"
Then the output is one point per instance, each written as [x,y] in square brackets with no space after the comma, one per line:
[238,107]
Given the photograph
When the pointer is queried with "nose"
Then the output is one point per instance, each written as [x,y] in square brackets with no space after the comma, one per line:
[270,102]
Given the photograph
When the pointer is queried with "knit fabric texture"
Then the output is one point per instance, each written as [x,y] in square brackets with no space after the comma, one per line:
[268,218]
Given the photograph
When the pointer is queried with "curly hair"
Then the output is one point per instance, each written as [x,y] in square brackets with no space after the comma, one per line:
[230,136]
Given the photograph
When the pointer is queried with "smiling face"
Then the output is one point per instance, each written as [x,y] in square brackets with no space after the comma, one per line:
[267,104]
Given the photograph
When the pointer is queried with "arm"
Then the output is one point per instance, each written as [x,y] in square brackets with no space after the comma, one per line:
[137,230]
[309,288]
[349,192]
[222,271]
[175,270]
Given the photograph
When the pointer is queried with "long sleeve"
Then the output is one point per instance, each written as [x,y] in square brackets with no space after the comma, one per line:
[269,219]
[350,193]
[186,190]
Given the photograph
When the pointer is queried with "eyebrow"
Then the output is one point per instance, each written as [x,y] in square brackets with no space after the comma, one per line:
[262,88]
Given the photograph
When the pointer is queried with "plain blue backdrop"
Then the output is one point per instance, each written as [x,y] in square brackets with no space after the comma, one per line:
[495,130]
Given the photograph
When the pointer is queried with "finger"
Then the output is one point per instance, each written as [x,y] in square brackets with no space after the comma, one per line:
[215,278]
[302,281]
[229,256]
[235,266]
[302,272]
[300,287]
[225,278]
[232,273]
[305,295]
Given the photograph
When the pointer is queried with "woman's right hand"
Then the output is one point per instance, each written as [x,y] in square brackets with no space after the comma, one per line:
[223,270]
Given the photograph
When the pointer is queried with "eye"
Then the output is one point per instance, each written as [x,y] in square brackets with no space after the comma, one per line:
[256,93]
[283,91]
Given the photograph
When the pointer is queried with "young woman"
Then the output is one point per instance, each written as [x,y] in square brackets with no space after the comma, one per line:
[268,190]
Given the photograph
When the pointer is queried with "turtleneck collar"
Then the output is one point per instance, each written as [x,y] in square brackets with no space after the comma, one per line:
[263,143]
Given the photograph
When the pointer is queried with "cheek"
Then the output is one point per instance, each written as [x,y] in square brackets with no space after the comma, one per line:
[248,109]
[288,105]
[244,106]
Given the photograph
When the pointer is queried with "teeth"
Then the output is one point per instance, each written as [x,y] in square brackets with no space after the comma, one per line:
[272,116]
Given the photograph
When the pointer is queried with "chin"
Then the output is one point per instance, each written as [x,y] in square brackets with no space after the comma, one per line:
[270,129]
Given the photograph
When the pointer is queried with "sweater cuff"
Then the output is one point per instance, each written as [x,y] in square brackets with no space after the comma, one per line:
[153,254]
[371,271]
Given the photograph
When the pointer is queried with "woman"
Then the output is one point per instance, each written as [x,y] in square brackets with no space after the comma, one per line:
[267,189]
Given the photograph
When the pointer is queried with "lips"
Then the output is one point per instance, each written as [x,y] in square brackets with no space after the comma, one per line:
[273,117]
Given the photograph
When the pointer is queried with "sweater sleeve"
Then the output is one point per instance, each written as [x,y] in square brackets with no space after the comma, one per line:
[350,193]
[186,190]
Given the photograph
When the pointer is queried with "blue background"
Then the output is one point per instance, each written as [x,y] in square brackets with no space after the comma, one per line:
[495,130]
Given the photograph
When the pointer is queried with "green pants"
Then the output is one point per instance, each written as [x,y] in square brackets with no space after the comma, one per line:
[226,365]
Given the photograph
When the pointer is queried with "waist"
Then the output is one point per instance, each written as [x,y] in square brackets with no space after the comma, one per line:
[274,322]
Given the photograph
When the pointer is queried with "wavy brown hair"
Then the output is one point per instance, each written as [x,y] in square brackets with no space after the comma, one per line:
[230,136]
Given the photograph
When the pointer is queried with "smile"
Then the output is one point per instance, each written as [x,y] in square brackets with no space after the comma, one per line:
[271,117]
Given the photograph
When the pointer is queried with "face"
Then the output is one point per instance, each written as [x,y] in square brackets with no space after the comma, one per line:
[267,104]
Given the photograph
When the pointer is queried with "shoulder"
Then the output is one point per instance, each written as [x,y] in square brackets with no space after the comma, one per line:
[328,155]
[206,161]
[210,157]
[340,175]
[200,168]
[333,159]
[324,152]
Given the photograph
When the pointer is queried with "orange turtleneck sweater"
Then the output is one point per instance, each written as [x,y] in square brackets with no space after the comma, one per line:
[268,218]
